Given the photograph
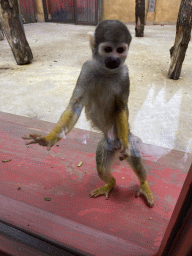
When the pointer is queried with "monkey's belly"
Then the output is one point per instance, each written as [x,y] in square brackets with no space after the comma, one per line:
[101,117]
[100,124]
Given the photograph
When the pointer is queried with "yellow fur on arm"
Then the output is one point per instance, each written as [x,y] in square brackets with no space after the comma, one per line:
[62,125]
[123,127]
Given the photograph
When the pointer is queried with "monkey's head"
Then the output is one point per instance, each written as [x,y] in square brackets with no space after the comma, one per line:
[110,43]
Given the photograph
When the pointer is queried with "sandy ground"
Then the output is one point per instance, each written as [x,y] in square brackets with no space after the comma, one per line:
[160,108]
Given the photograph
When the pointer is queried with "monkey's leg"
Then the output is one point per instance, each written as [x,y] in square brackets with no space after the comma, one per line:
[136,163]
[142,176]
[104,158]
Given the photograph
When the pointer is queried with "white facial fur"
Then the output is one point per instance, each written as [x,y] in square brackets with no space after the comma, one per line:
[108,48]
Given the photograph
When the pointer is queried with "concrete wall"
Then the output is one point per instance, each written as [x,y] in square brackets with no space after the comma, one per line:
[123,10]
[166,11]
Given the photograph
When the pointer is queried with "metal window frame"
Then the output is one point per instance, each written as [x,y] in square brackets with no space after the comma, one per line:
[177,239]
[28,240]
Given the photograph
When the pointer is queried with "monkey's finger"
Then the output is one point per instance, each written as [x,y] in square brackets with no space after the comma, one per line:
[49,147]
[50,143]
[35,138]
[149,199]
[32,136]
[26,137]
[38,140]
[97,193]
[30,142]
[144,190]
[123,157]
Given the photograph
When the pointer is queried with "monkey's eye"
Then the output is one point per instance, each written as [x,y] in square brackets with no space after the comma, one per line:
[120,49]
[108,49]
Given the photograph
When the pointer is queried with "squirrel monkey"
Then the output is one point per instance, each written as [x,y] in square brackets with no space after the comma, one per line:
[103,89]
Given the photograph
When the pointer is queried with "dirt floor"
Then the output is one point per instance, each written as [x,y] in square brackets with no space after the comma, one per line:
[160,108]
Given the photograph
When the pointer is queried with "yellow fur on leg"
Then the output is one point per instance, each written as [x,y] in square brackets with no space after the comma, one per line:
[103,190]
[145,190]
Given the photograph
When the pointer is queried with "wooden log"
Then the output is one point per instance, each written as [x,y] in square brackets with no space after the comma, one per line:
[14,32]
[1,32]
[183,35]
[139,18]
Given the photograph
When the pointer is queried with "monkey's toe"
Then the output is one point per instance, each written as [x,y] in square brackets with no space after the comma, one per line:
[101,191]
[145,190]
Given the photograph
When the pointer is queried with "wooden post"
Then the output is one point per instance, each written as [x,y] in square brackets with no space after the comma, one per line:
[1,32]
[14,32]
[139,17]
[183,35]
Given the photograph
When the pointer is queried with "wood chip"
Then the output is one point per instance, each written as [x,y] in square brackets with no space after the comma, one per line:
[5,161]
[47,198]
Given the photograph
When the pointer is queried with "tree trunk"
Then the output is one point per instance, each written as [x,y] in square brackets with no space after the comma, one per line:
[14,32]
[183,35]
[139,17]
[1,32]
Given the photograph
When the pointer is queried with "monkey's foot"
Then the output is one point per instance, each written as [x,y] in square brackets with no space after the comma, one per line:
[101,191]
[145,190]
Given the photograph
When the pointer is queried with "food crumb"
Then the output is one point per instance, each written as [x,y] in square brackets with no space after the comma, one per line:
[47,198]
[80,163]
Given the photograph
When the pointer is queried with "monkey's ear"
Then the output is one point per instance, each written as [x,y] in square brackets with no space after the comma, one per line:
[91,39]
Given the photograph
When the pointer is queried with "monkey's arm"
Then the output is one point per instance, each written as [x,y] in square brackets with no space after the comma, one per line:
[65,124]
[123,126]
[69,117]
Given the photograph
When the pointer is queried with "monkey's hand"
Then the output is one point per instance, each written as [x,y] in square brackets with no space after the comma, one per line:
[124,153]
[47,141]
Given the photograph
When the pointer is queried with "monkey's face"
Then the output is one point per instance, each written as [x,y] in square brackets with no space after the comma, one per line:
[110,44]
[112,56]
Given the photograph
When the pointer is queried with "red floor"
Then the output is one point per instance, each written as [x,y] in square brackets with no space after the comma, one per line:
[122,225]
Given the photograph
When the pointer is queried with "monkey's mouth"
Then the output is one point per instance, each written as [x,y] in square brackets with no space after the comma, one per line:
[112,63]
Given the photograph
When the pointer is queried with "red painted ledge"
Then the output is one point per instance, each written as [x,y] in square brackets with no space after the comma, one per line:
[122,225]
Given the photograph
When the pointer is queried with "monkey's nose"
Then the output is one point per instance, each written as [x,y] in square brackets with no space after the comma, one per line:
[112,63]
